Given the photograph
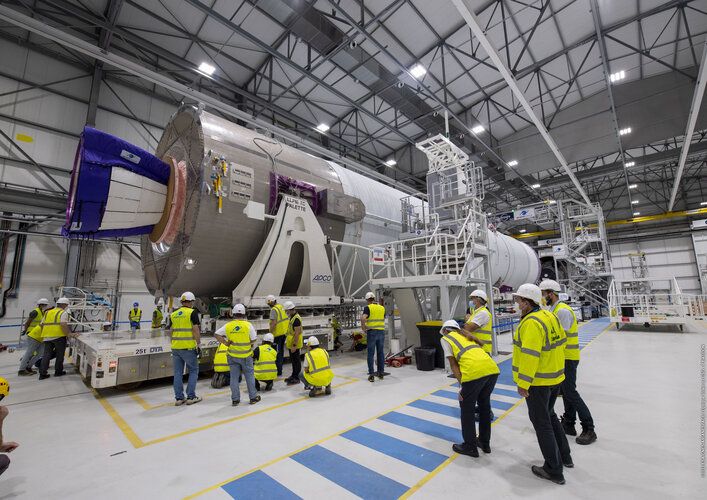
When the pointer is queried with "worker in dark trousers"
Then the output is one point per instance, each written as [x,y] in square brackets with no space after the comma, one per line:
[373,326]
[574,404]
[54,332]
[476,373]
[538,371]
[294,342]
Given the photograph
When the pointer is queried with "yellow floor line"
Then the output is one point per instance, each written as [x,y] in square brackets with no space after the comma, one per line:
[119,421]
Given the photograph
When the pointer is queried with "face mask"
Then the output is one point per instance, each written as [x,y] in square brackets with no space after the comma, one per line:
[471,304]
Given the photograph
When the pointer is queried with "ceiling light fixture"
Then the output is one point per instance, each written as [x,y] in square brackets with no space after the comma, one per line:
[522,230]
[535,186]
[417,71]
[634,202]
[323,127]
[512,163]
[629,164]
[633,186]
[391,162]
[625,131]
[207,69]
[478,129]
[704,203]
[636,214]
[619,75]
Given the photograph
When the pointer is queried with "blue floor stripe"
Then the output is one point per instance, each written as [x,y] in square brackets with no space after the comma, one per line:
[450,411]
[409,453]
[258,485]
[425,426]
[356,478]
[501,405]
[447,394]
[506,392]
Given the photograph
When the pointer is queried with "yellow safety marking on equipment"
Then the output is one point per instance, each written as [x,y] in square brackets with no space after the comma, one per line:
[24,138]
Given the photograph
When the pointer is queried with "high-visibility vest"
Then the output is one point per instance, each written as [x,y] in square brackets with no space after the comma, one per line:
[238,333]
[376,317]
[266,368]
[221,359]
[37,320]
[36,333]
[281,323]
[182,333]
[51,324]
[291,333]
[135,315]
[483,333]
[539,350]
[320,373]
[473,361]
[157,318]
[572,345]
[362,340]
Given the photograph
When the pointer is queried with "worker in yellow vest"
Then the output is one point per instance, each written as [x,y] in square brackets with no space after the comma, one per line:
[538,371]
[34,340]
[279,322]
[135,316]
[222,371]
[317,374]
[574,404]
[360,342]
[264,357]
[476,373]
[373,326]
[186,337]
[480,320]
[54,330]
[238,335]
[294,342]
[157,316]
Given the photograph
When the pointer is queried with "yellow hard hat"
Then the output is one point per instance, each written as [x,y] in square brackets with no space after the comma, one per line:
[4,388]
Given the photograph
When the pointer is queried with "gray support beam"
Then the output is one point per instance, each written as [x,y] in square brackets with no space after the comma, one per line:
[77,44]
[40,167]
[467,13]
[691,120]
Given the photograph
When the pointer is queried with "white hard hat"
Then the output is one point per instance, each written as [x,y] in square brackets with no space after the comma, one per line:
[289,305]
[451,324]
[268,337]
[370,296]
[530,292]
[107,323]
[480,294]
[188,297]
[42,302]
[63,300]
[239,309]
[160,302]
[550,285]
[272,298]
[312,340]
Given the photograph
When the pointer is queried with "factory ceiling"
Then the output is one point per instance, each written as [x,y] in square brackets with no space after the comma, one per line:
[382,75]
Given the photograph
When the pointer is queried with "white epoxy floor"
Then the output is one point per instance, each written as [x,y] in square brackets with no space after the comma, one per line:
[643,388]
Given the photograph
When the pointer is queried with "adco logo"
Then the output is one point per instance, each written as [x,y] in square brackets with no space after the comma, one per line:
[322,277]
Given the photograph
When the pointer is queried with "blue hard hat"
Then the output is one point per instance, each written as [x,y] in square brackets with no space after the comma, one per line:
[135,303]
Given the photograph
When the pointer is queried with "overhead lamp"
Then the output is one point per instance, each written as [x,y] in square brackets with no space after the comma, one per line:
[207,69]
[704,203]
[512,163]
[636,214]
[633,186]
[478,129]
[417,71]
[634,202]
[629,164]
[625,131]
[535,186]
[391,162]
[619,75]
[522,230]
[323,127]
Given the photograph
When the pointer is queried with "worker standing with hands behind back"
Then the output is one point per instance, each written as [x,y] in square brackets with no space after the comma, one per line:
[186,337]
[538,370]
[279,322]
[54,332]
[373,326]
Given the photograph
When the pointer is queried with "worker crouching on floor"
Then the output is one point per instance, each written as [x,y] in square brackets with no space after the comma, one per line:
[239,335]
[317,372]
[265,357]
[476,373]
[538,371]
[222,373]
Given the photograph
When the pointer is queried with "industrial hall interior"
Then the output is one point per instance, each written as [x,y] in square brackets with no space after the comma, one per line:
[338,249]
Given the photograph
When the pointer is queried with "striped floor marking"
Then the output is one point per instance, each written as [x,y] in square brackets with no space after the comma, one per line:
[384,457]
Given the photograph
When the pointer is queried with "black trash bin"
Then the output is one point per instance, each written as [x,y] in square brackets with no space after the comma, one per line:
[425,358]
[430,337]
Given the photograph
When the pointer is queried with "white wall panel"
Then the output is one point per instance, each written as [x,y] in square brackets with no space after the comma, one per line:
[666,258]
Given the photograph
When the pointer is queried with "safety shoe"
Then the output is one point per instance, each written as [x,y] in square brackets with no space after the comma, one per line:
[268,386]
[193,401]
[485,448]
[316,391]
[459,448]
[235,403]
[569,463]
[327,391]
[44,377]
[371,378]
[59,374]
[381,376]
[179,402]
[540,472]
[568,427]
[292,382]
[588,436]
[24,373]
[255,400]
